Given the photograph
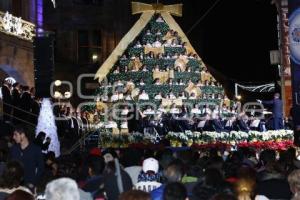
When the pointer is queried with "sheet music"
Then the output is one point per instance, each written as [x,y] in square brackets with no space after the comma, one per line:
[228,123]
[255,123]
[201,124]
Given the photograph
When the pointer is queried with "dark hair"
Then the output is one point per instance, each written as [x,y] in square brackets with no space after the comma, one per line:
[20,195]
[41,134]
[22,129]
[174,191]
[16,84]
[135,195]
[223,196]
[12,175]
[213,177]
[174,172]
[96,164]
[50,156]
[268,156]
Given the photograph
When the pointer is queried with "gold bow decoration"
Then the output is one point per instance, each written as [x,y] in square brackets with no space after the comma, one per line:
[174,9]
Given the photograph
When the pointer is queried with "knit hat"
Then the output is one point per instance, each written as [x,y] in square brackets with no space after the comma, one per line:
[150,164]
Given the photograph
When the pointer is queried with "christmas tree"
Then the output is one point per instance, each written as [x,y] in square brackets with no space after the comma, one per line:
[155,64]
[46,124]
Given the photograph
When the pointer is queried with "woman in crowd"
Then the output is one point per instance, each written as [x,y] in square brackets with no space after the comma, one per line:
[12,179]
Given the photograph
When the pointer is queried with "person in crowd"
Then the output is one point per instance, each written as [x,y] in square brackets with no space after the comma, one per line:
[40,138]
[46,144]
[171,95]
[35,110]
[192,96]
[149,177]
[172,174]
[157,82]
[62,189]
[16,97]
[213,183]
[144,68]
[20,195]
[174,110]
[117,70]
[143,95]
[149,111]
[51,165]
[7,101]
[159,19]
[217,123]
[175,191]
[294,182]
[12,179]
[271,181]
[277,111]
[182,96]
[157,43]
[116,180]
[124,57]
[73,127]
[135,195]
[158,96]
[115,97]
[132,163]
[142,83]
[25,104]
[241,123]
[111,123]
[138,44]
[94,184]
[28,154]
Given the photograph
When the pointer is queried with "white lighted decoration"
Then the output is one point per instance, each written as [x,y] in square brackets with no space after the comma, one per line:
[54,4]
[12,25]
[270,87]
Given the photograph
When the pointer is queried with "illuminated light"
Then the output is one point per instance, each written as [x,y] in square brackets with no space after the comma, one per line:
[67,95]
[57,95]
[57,83]
[95,57]
[238,97]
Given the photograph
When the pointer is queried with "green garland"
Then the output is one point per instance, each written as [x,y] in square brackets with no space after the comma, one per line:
[186,76]
[135,76]
[88,108]
[123,63]
[151,38]
[161,26]
[144,103]
[133,51]
[173,50]
[195,64]
[212,89]
[152,90]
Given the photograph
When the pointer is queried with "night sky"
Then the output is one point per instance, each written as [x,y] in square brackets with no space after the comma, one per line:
[234,38]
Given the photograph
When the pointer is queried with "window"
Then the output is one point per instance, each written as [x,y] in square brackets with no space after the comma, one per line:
[89,46]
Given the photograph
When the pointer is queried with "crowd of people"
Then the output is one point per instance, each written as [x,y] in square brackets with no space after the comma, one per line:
[144,174]
[19,103]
